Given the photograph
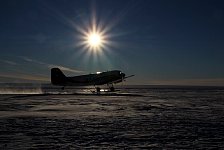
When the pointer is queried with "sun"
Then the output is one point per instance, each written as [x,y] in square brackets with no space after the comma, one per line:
[94,40]
[94,36]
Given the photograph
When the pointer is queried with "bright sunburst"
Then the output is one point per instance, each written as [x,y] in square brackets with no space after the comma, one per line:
[94,40]
[94,36]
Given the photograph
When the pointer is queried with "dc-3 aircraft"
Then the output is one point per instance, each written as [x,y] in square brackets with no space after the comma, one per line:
[100,78]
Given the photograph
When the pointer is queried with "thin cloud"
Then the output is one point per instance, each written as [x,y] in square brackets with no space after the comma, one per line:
[65,68]
[26,59]
[32,60]
[25,77]
[51,65]
[8,62]
[17,75]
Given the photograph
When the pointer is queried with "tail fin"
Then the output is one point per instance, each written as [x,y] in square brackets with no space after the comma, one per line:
[57,77]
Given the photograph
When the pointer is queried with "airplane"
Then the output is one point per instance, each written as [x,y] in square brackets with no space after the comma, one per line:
[96,79]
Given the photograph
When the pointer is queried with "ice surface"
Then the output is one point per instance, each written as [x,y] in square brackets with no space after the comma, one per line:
[26,88]
[169,118]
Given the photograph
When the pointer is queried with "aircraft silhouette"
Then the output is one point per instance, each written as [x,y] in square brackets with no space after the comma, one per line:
[100,78]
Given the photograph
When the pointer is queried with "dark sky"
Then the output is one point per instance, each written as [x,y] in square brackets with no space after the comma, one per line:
[161,42]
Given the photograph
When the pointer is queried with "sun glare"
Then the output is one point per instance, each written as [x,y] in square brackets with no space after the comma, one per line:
[94,40]
[94,36]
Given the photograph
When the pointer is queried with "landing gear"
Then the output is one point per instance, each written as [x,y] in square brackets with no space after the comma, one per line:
[111,87]
[98,90]
[63,88]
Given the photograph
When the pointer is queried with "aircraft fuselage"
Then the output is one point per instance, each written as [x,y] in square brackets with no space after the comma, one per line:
[109,77]
[95,79]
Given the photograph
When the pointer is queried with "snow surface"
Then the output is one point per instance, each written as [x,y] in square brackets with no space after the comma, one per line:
[163,118]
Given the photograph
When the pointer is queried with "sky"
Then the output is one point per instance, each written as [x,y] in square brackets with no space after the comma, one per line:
[161,42]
